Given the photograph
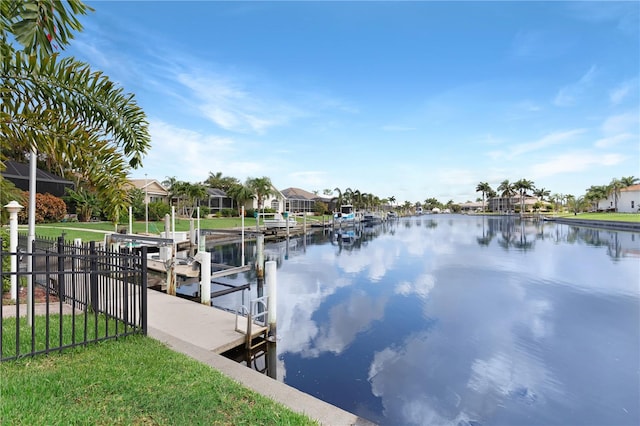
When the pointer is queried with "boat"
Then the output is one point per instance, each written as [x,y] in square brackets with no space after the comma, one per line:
[278,220]
[419,211]
[346,214]
[371,219]
[392,215]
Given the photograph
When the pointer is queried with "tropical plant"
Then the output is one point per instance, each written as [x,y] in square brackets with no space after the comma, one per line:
[484,188]
[240,194]
[629,180]
[541,193]
[58,107]
[85,202]
[219,181]
[507,191]
[614,188]
[262,188]
[596,193]
[522,186]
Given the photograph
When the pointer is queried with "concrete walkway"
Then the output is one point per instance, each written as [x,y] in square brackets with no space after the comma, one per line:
[202,333]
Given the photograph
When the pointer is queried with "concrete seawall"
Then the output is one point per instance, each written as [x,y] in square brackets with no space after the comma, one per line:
[202,332]
[613,225]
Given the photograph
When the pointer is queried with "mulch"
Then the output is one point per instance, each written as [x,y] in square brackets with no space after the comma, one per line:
[39,296]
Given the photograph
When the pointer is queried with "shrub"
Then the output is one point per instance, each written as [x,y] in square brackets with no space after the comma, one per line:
[228,212]
[6,260]
[49,208]
[204,211]
[157,210]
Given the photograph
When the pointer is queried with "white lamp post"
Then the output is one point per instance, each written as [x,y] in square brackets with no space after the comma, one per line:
[13,208]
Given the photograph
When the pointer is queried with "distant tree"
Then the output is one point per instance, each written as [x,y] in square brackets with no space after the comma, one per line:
[596,193]
[507,191]
[541,193]
[261,187]
[484,188]
[629,180]
[240,194]
[614,188]
[219,181]
[327,191]
[522,186]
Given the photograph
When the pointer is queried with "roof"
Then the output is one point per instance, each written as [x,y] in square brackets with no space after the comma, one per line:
[630,188]
[151,185]
[300,194]
[215,192]
[15,170]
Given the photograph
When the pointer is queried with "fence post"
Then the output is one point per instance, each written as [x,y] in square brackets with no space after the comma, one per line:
[93,274]
[61,286]
[143,291]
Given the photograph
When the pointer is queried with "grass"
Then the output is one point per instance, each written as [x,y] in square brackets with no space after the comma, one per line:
[88,327]
[619,217]
[131,381]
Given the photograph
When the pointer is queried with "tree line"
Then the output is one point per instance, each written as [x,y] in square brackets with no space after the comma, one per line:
[593,195]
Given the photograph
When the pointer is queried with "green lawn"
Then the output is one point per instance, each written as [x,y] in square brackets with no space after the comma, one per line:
[619,217]
[132,381]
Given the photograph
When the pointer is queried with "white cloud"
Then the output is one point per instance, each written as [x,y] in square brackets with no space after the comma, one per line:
[614,140]
[568,95]
[421,287]
[621,123]
[551,139]
[618,94]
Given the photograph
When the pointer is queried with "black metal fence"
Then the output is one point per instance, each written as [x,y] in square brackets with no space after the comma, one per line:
[80,293]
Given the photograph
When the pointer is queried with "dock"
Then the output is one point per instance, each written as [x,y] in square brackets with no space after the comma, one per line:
[203,333]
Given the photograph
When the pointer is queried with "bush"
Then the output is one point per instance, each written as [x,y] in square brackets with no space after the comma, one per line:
[6,260]
[228,212]
[157,210]
[49,208]
[204,211]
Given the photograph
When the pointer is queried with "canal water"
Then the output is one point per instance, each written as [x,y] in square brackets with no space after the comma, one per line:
[462,320]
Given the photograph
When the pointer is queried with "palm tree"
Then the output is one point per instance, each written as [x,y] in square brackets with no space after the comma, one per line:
[541,193]
[240,194]
[262,188]
[629,180]
[58,107]
[485,188]
[219,181]
[522,186]
[339,201]
[614,189]
[596,193]
[507,192]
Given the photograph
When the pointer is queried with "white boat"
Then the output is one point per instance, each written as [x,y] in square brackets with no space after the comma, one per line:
[392,215]
[277,220]
[346,214]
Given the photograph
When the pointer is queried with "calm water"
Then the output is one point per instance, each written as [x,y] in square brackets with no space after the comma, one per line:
[464,320]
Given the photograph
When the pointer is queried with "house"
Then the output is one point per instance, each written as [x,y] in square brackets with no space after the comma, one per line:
[218,200]
[153,190]
[275,201]
[299,200]
[46,182]
[506,204]
[472,206]
[628,200]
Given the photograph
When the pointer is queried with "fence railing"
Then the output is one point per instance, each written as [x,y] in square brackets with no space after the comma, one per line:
[81,294]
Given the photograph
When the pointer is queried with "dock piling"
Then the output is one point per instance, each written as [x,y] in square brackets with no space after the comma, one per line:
[271,280]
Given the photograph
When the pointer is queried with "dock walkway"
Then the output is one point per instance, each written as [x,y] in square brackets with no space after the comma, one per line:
[203,333]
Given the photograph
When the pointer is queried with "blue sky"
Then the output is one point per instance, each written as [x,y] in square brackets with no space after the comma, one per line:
[406,99]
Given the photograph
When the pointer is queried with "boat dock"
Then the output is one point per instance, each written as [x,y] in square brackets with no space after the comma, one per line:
[203,333]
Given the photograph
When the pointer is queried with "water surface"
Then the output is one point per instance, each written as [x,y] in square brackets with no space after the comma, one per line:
[451,319]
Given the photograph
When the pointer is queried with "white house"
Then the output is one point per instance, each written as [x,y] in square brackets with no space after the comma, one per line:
[628,200]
